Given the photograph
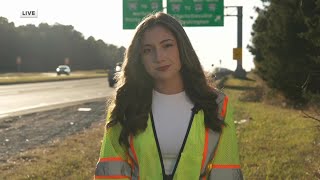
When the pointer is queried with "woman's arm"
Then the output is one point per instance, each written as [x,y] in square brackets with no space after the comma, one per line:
[113,161]
[226,163]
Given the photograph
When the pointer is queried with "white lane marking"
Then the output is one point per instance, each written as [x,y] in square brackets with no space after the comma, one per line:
[23,108]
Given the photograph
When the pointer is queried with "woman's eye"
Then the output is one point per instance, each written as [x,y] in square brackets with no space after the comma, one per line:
[146,51]
[168,45]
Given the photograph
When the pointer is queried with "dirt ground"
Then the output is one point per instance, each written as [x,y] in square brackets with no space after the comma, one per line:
[18,134]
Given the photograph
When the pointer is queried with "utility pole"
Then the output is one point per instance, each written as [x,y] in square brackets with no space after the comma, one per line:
[239,72]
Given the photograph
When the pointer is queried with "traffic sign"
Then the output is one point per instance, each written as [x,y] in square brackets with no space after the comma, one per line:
[197,12]
[237,53]
[135,10]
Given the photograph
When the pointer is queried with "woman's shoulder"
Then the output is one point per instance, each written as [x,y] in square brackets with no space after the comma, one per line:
[219,94]
[222,103]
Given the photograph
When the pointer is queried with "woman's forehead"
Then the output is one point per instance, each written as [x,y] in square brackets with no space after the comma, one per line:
[157,33]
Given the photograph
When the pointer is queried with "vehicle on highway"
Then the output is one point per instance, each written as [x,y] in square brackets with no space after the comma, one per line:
[112,74]
[63,69]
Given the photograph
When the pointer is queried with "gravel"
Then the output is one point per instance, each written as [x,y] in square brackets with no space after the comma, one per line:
[20,133]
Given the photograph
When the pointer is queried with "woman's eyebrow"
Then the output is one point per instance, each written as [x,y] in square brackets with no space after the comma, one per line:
[166,40]
[146,45]
[161,42]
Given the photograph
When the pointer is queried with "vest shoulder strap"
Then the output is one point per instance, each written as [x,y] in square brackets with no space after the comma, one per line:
[222,102]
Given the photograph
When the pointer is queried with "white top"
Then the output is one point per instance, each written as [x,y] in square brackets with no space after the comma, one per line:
[171,114]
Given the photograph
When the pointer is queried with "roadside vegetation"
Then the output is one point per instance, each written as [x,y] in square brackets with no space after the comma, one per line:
[276,141]
[15,78]
[31,48]
[285,46]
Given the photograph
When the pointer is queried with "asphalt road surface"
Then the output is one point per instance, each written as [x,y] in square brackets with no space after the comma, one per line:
[26,98]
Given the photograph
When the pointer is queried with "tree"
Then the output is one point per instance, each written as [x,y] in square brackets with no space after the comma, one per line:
[45,47]
[285,45]
[8,41]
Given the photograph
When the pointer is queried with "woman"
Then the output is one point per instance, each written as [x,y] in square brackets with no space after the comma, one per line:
[165,121]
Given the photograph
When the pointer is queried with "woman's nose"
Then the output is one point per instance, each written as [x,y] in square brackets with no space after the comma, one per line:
[159,56]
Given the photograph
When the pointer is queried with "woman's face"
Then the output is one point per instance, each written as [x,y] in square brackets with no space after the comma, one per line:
[160,54]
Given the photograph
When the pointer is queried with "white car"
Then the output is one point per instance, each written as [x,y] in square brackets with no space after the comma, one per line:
[63,69]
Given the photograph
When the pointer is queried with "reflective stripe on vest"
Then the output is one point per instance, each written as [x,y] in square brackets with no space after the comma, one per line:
[222,102]
[210,146]
[212,138]
[112,168]
[225,172]
[133,157]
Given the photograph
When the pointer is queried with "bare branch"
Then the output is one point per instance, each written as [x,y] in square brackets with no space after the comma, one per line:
[311,117]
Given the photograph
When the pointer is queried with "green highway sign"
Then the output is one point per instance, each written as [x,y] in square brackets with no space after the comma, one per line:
[197,12]
[135,10]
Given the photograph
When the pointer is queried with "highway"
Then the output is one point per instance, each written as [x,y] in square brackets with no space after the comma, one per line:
[31,97]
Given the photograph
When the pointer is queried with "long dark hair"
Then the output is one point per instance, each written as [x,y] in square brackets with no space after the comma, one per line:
[132,103]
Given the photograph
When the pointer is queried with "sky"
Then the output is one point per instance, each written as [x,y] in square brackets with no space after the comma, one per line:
[102,19]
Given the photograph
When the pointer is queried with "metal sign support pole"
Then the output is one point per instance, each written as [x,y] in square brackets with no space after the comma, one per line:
[239,72]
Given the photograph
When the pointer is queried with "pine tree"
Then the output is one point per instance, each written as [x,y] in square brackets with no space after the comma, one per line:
[285,45]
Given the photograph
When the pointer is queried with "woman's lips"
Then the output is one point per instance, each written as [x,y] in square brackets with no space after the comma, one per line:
[163,68]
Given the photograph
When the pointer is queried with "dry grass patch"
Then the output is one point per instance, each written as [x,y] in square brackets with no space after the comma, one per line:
[276,142]
[72,158]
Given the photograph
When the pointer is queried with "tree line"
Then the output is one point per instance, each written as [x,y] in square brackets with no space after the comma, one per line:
[42,48]
[286,46]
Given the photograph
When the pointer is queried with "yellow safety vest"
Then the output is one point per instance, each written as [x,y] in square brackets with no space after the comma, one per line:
[205,154]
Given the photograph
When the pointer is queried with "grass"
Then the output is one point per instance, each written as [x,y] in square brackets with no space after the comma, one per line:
[71,158]
[275,143]
[14,78]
